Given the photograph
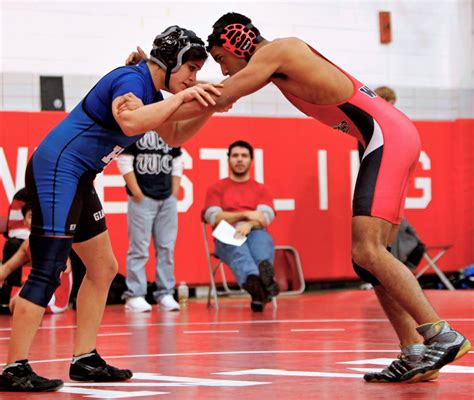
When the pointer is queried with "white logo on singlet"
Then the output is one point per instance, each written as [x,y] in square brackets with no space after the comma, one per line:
[99,215]
[112,155]
[367,91]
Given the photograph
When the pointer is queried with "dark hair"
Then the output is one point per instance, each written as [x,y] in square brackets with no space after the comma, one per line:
[214,39]
[386,93]
[241,143]
[195,54]
[26,207]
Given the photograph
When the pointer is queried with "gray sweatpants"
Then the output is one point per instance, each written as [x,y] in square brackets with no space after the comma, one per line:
[146,219]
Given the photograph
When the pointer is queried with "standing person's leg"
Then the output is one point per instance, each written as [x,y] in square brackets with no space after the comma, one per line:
[262,249]
[400,285]
[388,162]
[411,343]
[402,322]
[49,255]
[140,223]
[101,268]
[165,231]
[369,238]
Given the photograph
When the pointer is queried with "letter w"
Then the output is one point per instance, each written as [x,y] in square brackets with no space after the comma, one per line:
[6,177]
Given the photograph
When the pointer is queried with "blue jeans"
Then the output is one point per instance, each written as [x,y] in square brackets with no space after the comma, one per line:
[243,260]
[157,218]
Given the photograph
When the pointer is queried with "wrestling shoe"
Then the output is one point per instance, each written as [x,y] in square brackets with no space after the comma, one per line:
[254,286]
[92,367]
[444,345]
[407,360]
[19,377]
[267,275]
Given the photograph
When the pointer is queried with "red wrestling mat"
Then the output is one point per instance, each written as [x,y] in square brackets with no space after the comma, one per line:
[312,347]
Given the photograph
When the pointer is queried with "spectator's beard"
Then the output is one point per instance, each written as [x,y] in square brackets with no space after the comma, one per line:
[240,173]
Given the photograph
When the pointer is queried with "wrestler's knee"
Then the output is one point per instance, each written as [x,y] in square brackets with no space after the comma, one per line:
[102,272]
[49,255]
[365,275]
[364,254]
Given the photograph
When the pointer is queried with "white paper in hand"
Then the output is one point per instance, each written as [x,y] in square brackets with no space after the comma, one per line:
[225,233]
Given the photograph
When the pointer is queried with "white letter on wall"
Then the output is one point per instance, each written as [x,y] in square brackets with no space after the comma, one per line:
[421,183]
[6,177]
[101,182]
[323,179]
[186,184]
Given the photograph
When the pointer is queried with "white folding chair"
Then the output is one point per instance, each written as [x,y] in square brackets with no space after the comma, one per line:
[438,251]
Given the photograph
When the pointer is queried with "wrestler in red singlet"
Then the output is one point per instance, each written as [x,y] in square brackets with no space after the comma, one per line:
[391,142]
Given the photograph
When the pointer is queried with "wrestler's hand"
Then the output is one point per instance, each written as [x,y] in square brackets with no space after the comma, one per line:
[242,230]
[202,93]
[136,56]
[128,102]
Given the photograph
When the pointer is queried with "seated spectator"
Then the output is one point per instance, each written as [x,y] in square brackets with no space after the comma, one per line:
[21,257]
[246,204]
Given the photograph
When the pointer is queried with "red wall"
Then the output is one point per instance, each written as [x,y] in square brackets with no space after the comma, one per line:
[290,167]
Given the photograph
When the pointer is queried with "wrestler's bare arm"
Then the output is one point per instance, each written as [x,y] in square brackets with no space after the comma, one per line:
[253,77]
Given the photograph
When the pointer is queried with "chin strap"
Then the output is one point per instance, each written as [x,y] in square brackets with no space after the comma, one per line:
[167,78]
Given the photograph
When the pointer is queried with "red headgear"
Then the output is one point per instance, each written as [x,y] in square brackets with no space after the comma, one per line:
[240,40]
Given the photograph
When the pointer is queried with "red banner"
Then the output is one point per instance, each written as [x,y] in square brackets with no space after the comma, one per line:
[310,170]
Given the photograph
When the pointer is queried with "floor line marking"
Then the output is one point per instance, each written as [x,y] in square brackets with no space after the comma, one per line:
[283,372]
[230,331]
[318,330]
[247,322]
[220,353]
[115,334]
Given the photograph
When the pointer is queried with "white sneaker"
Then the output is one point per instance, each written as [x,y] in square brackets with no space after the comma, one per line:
[137,304]
[168,303]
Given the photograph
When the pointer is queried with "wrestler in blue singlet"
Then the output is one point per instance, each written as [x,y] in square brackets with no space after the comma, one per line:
[77,149]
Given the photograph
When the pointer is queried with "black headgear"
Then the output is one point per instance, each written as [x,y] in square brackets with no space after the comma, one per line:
[170,46]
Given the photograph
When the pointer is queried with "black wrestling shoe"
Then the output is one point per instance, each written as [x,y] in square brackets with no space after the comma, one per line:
[93,368]
[21,378]
[267,275]
[253,285]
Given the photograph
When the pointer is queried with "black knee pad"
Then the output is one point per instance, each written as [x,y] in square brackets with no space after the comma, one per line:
[365,275]
[49,256]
